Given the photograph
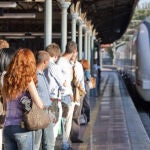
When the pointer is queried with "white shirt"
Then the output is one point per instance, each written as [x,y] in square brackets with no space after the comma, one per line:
[66,69]
[79,73]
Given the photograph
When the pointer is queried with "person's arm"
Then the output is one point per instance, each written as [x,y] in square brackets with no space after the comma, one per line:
[87,75]
[34,95]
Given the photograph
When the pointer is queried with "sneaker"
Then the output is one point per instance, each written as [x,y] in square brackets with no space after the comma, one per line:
[77,141]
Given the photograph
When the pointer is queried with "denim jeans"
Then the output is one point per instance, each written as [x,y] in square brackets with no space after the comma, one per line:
[66,99]
[65,144]
[17,138]
[67,120]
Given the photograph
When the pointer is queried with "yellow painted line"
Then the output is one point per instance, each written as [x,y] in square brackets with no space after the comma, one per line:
[87,136]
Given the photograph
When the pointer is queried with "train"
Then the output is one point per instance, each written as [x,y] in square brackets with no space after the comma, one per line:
[133,59]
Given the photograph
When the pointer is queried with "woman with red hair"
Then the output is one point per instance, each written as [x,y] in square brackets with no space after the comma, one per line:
[86,68]
[20,79]
[86,100]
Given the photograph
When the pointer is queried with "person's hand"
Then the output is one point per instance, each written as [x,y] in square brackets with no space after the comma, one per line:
[72,98]
[53,117]
[65,83]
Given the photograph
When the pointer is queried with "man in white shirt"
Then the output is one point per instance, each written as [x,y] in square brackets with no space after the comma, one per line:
[56,83]
[67,97]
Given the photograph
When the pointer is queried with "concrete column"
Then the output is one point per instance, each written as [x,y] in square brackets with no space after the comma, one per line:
[73,29]
[92,42]
[64,7]
[89,47]
[48,23]
[101,58]
[85,44]
[92,49]
[80,39]
[114,53]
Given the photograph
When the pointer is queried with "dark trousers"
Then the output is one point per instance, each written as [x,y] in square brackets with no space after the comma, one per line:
[75,129]
[86,105]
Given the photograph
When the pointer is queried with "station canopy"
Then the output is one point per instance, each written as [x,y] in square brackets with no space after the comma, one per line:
[109,18]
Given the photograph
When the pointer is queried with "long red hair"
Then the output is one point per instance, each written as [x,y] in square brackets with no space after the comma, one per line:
[20,72]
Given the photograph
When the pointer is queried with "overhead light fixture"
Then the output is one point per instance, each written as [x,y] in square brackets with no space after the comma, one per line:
[21,33]
[34,0]
[20,37]
[8,4]
[12,34]
[18,15]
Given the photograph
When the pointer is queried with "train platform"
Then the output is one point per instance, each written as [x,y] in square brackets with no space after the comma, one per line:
[115,123]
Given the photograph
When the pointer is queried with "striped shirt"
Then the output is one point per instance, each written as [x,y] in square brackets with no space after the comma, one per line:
[55,79]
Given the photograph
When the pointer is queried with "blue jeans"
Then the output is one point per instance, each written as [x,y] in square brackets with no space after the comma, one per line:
[65,144]
[17,138]
[66,99]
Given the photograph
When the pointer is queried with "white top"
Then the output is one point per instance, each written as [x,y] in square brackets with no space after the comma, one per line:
[79,73]
[66,69]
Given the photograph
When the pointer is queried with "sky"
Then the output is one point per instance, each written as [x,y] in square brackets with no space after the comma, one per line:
[142,2]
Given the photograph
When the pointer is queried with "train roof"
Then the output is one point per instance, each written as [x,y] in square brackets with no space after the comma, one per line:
[110,18]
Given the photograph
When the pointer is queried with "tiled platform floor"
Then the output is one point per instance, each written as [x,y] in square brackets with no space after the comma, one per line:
[115,124]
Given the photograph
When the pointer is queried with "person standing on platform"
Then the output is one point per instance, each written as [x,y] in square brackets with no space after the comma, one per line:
[86,101]
[56,83]
[95,69]
[3,59]
[67,97]
[79,92]
[99,78]
[6,55]
[19,79]
[44,137]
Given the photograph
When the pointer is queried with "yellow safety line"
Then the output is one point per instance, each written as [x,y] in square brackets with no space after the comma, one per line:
[87,136]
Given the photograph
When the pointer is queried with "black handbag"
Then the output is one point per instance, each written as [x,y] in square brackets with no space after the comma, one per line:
[34,118]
